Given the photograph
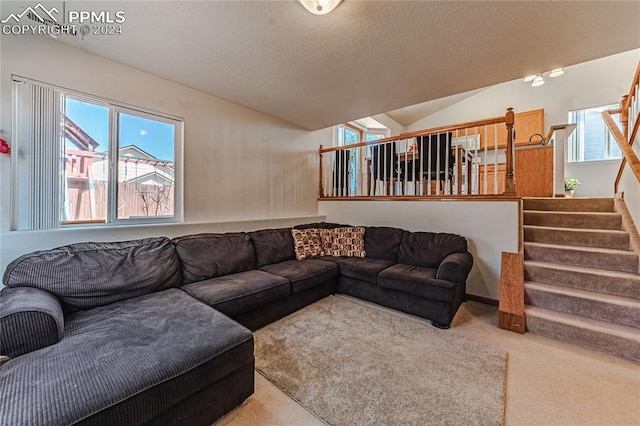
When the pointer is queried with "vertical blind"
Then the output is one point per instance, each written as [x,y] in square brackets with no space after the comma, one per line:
[39,142]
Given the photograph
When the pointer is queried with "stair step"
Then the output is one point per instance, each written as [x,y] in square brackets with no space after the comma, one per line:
[590,257]
[598,280]
[569,204]
[618,240]
[583,220]
[604,307]
[614,339]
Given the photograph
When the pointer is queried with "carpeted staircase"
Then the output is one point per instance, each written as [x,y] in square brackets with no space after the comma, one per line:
[581,279]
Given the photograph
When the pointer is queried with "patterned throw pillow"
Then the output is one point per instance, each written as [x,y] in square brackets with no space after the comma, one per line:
[326,235]
[348,242]
[307,243]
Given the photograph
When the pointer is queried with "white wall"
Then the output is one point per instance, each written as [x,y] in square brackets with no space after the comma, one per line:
[600,82]
[394,127]
[239,164]
[630,186]
[489,227]
[596,178]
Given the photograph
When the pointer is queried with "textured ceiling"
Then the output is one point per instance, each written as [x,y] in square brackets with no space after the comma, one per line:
[411,114]
[364,58]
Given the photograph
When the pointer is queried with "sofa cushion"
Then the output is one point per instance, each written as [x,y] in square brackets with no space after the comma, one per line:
[87,275]
[303,274]
[362,268]
[205,256]
[347,242]
[382,242]
[272,246]
[307,243]
[418,281]
[238,293]
[320,225]
[429,249]
[326,239]
[113,354]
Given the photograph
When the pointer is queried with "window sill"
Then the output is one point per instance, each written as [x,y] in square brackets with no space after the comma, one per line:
[613,160]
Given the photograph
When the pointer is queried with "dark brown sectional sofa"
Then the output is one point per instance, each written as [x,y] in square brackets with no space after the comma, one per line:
[157,331]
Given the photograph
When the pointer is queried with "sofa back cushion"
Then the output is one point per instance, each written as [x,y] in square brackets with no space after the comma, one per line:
[272,246]
[382,242]
[428,248]
[320,225]
[87,275]
[205,256]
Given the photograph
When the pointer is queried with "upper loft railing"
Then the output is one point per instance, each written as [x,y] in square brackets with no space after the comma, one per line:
[473,159]
[630,119]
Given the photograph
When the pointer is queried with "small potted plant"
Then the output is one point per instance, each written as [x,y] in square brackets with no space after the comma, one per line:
[570,185]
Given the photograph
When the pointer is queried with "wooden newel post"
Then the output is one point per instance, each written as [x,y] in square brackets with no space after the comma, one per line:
[510,183]
[320,188]
[624,115]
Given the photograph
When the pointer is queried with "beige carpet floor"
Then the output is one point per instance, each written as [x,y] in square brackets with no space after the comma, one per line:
[353,364]
[548,382]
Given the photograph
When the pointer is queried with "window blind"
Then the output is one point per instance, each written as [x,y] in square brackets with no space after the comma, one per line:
[38,137]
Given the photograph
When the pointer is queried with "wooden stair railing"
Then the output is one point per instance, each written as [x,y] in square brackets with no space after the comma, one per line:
[629,109]
[509,182]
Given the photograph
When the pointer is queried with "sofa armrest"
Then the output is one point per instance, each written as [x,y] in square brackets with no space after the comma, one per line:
[455,267]
[30,319]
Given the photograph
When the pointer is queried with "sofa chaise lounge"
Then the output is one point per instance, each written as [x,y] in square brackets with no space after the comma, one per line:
[157,331]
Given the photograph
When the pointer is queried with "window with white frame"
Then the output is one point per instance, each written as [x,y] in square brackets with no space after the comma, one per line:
[592,140]
[349,176]
[86,160]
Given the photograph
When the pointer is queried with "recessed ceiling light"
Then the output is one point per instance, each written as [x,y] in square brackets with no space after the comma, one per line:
[529,78]
[538,81]
[556,72]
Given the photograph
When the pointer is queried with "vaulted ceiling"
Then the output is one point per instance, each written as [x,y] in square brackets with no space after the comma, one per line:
[364,58]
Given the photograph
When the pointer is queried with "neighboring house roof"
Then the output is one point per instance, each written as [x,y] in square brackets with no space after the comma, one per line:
[134,151]
[153,178]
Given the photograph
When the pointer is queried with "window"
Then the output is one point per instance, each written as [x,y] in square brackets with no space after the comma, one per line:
[87,160]
[348,134]
[592,141]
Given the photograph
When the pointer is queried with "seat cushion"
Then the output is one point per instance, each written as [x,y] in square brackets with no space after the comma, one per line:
[238,293]
[167,343]
[303,274]
[205,256]
[418,281]
[272,246]
[87,275]
[383,242]
[363,268]
[428,248]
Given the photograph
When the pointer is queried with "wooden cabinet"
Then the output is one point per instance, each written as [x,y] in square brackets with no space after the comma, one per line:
[526,123]
[492,170]
[534,171]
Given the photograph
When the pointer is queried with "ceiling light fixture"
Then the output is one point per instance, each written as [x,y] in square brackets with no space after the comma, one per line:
[556,72]
[320,7]
[538,81]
